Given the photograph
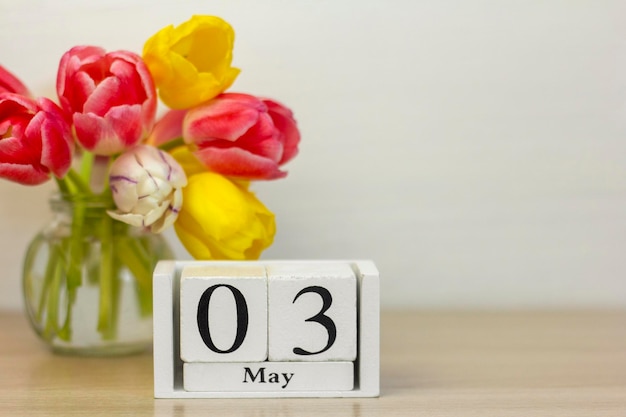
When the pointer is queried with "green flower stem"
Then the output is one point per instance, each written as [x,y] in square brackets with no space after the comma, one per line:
[132,254]
[52,312]
[65,332]
[72,181]
[106,322]
[49,299]
[79,184]
[86,164]
[174,143]
[72,258]
[63,186]
[49,277]
[50,265]
[76,252]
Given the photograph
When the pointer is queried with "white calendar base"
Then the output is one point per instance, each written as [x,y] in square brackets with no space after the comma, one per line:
[275,377]
[168,367]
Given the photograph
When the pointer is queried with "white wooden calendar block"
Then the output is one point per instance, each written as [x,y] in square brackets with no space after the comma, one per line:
[312,312]
[170,372]
[223,314]
[268,376]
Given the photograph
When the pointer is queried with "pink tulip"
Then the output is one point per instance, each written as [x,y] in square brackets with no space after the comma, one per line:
[289,135]
[242,136]
[9,83]
[35,139]
[168,127]
[110,96]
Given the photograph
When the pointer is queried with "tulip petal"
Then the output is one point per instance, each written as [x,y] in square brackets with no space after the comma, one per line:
[23,174]
[146,182]
[285,123]
[242,136]
[82,87]
[169,127]
[262,139]
[103,97]
[111,134]
[187,160]
[221,118]
[171,214]
[155,214]
[11,84]
[128,218]
[129,70]
[35,139]
[11,103]
[206,87]
[95,134]
[239,162]
[211,196]
[191,63]
[196,247]
[270,147]
[56,149]
[190,41]
[20,150]
[125,122]
[155,164]
[111,97]
[220,220]
[124,191]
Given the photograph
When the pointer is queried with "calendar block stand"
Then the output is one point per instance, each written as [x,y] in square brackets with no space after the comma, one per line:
[169,368]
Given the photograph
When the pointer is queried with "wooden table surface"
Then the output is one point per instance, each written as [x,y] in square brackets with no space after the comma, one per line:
[432,364]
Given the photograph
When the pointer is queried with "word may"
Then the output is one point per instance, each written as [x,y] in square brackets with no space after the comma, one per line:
[274,377]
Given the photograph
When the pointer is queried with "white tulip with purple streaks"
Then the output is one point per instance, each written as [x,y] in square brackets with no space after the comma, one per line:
[147,188]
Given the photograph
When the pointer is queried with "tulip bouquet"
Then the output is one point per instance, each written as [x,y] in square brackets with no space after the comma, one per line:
[191,168]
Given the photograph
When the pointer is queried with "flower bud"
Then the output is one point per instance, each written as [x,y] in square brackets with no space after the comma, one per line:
[35,140]
[110,98]
[242,136]
[191,63]
[223,220]
[146,185]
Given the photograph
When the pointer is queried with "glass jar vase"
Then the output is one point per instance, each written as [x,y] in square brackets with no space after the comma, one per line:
[87,279]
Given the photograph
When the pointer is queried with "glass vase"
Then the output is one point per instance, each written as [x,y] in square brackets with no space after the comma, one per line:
[87,279]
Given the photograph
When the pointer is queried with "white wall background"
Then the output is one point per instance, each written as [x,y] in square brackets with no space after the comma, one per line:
[476,150]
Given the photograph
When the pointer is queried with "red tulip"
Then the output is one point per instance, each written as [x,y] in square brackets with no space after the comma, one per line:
[242,136]
[9,83]
[110,96]
[288,132]
[35,139]
[167,128]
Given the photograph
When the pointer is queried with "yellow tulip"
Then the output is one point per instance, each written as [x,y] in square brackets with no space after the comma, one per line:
[191,63]
[221,220]
[185,157]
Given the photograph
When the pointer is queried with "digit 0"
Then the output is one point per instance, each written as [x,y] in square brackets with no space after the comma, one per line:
[321,318]
[203,318]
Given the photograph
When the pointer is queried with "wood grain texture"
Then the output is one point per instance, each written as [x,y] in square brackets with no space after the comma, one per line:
[432,364]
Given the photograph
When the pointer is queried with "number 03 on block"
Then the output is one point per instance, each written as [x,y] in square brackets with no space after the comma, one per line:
[266,329]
